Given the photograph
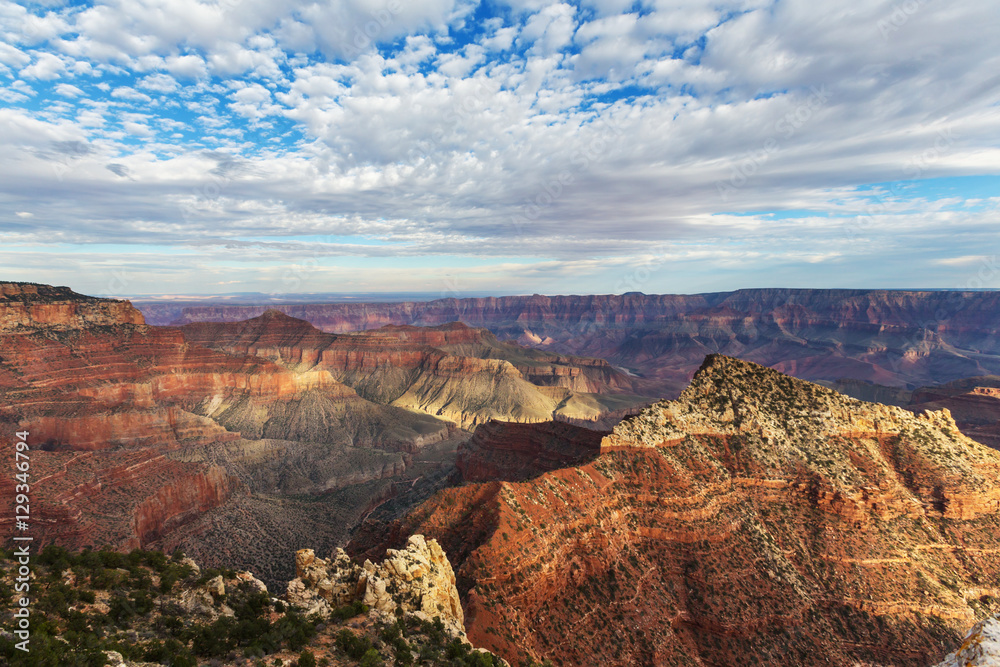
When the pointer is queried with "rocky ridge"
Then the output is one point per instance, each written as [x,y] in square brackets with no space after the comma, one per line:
[758,519]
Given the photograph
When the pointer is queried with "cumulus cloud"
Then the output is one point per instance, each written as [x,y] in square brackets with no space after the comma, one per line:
[68,90]
[46,67]
[727,133]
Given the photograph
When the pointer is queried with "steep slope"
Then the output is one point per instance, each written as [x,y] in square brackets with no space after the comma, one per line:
[895,338]
[758,519]
[974,403]
[461,374]
[515,452]
[139,436]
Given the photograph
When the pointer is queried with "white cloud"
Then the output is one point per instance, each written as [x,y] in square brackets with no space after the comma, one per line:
[11,55]
[550,29]
[161,83]
[131,94]
[68,90]
[46,67]
[186,67]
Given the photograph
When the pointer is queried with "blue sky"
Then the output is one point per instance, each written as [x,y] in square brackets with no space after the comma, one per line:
[453,146]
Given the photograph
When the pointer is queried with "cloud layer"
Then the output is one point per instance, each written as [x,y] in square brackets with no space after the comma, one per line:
[514,146]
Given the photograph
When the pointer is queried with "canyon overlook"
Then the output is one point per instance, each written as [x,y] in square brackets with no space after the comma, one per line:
[756,519]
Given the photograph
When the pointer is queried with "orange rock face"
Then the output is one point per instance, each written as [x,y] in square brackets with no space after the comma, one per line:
[758,519]
[27,306]
[507,451]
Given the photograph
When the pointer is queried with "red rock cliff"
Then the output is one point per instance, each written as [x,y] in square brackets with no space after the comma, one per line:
[758,519]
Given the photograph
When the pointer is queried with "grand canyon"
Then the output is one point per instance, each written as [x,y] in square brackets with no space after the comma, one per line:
[896,338]
[533,458]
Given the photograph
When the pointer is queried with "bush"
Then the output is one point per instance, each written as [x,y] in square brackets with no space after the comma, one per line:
[356,608]
[354,646]
[307,659]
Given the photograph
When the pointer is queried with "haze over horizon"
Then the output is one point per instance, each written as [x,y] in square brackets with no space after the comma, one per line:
[456,147]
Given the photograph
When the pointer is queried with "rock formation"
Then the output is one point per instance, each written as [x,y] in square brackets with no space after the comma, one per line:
[451,371]
[138,435]
[418,579]
[758,519]
[980,648]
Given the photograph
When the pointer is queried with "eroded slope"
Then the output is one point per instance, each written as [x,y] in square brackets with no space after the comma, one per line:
[758,519]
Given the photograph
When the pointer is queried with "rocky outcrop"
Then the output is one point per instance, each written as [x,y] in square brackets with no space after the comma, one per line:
[26,306]
[516,452]
[758,519]
[980,648]
[894,338]
[418,579]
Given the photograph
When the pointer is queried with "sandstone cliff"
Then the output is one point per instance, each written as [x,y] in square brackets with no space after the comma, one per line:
[758,519]
[26,306]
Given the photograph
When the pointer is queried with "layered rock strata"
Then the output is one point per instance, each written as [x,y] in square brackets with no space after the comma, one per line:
[758,519]
[451,371]
[896,338]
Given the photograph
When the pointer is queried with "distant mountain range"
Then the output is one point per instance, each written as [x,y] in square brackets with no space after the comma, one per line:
[896,338]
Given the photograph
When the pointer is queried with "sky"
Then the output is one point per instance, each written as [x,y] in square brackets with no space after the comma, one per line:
[518,146]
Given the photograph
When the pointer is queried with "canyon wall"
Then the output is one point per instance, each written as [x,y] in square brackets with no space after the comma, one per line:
[451,371]
[758,519]
[895,338]
[137,434]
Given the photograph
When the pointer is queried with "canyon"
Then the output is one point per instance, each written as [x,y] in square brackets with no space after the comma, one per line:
[452,371]
[757,519]
[208,438]
[896,338]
